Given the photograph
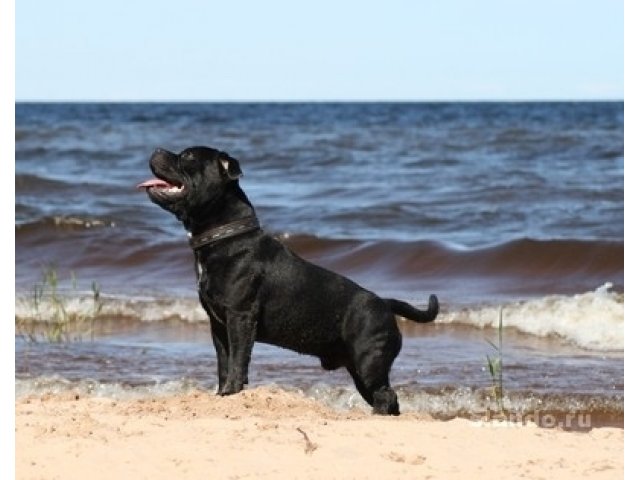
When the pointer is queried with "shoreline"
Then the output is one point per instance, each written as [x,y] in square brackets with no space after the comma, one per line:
[270,433]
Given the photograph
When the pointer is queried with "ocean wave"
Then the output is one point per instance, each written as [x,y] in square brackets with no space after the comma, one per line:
[521,256]
[442,402]
[26,182]
[459,401]
[529,265]
[527,259]
[137,309]
[58,222]
[56,385]
[592,320]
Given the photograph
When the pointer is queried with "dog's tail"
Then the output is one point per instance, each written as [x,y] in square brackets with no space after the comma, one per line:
[407,311]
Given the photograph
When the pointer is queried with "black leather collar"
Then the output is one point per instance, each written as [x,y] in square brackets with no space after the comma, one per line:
[214,234]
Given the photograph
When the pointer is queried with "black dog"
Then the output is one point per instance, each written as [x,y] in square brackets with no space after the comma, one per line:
[254,289]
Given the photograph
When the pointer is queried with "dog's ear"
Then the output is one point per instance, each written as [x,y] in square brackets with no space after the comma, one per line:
[230,166]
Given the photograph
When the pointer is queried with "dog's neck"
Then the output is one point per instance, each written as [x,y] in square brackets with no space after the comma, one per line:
[233,206]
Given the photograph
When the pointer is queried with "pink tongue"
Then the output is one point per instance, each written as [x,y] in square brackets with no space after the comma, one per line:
[154,182]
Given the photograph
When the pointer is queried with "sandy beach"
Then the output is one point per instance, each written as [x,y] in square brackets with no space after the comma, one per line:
[270,433]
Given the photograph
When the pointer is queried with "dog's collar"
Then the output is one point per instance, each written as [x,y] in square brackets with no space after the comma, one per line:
[214,234]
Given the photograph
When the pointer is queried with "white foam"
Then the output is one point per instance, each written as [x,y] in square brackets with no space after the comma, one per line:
[56,385]
[145,309]
[592,320]
[442,403]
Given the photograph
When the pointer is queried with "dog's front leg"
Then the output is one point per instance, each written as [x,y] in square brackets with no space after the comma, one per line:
[241,329]
[221,343]
[220,339]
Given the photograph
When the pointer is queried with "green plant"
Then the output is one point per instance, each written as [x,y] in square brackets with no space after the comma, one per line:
[52,320]
[495,367]
[97,305]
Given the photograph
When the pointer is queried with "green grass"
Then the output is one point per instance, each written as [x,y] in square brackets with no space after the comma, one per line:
[52,321]
[495,367]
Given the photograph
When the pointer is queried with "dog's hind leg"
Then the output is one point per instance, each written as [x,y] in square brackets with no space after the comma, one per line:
[374,387]
[370,373]
[360,386]
[374,341]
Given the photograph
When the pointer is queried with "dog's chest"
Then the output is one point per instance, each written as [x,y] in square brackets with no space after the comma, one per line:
[203,280]
[199,272]
[210,300]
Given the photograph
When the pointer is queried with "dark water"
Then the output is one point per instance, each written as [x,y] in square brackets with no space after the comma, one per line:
[517,205]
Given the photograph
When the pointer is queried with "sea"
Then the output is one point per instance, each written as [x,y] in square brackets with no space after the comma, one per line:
[512,213]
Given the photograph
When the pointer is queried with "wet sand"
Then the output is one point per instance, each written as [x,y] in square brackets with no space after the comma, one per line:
[270,433]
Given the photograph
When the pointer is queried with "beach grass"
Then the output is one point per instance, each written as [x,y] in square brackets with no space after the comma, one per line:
[52,320]
[495,368]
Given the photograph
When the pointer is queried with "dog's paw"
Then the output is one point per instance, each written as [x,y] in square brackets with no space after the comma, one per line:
[230,388]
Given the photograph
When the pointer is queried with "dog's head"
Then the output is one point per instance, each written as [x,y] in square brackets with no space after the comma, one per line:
[191,181]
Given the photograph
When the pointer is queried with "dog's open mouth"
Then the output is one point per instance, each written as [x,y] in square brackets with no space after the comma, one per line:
[161,186]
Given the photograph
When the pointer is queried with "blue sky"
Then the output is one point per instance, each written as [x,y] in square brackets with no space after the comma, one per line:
[330,50]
